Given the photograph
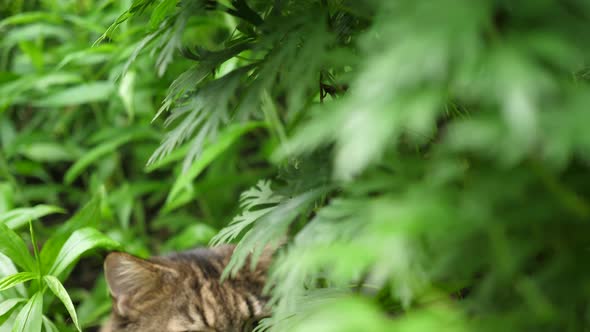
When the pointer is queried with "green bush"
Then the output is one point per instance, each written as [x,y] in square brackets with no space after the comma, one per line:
[426,159]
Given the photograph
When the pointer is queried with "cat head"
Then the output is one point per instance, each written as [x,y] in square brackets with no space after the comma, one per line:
[182,293]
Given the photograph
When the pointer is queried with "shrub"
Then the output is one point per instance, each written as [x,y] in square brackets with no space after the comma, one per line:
[427,158]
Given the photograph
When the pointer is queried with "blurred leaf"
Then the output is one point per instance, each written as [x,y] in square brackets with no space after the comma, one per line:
[48,152]
[29,17]
[192,236]
[81,94]
[163,9]
[222,143]
[19,217]
[105,148]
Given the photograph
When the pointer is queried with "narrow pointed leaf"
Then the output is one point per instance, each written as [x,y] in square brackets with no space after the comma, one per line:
[15,248]
[77,244]
[15,279]
[19,217]
[58,289]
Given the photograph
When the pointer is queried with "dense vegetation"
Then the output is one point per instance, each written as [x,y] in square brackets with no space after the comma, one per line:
[428,160]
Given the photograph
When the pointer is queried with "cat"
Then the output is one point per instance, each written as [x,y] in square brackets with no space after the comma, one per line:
[182,292]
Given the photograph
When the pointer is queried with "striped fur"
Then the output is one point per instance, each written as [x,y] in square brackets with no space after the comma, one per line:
[183,293]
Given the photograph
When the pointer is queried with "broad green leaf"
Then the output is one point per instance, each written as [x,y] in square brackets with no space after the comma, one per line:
[30,317]
[48,325]
[225,139]
[58,289]
[81,94]
[19,217]
[79,243]
[15,279]
[105,148]
[15,248]
[7,305]
[87,216]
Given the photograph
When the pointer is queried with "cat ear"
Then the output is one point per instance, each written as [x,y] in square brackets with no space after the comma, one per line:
[131,280]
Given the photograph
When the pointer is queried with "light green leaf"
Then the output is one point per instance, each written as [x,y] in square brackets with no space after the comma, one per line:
[15,279]
[15,248]
[87,216]
[79,243]
[48,325]
[19,217]
[7,268]
[30,317]
[9,304]
[58,289]
[47,152]
[30,17]
[105,148]
[211,151]
[81,94]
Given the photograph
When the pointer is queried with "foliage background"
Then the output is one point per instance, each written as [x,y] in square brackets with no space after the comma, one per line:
[427,159]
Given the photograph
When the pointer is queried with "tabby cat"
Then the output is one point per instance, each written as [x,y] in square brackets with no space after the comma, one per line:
[182,292]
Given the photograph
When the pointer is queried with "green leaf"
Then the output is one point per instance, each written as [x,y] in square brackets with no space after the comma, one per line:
[58,289]
[250,202]
[163,9]
[7,268]
[15,248]
[30,317]
[193,235]
[19,217]
[105,148]
[48,325]
[15,279]
[30,17]
[87,216]
[176,155]
[81,94]
[79,243]
[8,305]
[211,151]
[47,152]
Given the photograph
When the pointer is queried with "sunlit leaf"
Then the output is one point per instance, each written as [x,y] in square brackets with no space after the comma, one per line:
[15,279]
[77,244]
[19,217]
[29,318]
[81,94]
